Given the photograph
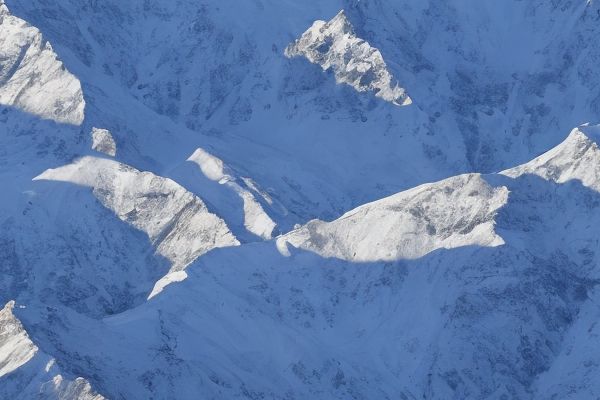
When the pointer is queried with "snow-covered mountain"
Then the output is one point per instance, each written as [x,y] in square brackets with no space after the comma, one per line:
[27,373]
[281,200]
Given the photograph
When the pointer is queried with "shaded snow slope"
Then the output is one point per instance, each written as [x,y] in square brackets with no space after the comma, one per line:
[27,373]
[334,45]
[452,213]
[474,321]
[32,78]
[469,322]
[178,223]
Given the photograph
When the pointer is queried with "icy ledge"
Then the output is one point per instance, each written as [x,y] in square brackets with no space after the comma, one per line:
[32,78]
[35,374]
[452,213]
[577,158]
[333,45]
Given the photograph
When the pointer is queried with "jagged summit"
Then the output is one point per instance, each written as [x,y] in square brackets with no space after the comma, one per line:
[334,45]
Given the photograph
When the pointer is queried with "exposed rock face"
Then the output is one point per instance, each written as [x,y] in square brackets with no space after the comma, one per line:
[334,45]
[452,213]
[32,78]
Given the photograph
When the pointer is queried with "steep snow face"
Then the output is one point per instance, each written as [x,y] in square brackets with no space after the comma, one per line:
[334,45]
[15,347]
[452,213]
[177,222]
[33,373]
[103,142]
[256,220]
[578,157]
[32,78]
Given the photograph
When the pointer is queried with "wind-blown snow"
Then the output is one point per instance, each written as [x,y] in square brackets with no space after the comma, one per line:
[452,213]
[32,78]
[334,45]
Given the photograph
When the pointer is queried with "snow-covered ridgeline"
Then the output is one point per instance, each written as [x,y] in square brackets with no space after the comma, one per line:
[577,157]
[334,45]
[452,213]
[34,374]
[256,220]
[177,222]
[32,78]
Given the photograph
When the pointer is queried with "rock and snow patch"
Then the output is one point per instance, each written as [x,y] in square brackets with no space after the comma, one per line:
[35,374]
[256,220]
[15,347]
[577,158]
[177,222]
[103,142]
[455,212]
[32,78]
[334,45]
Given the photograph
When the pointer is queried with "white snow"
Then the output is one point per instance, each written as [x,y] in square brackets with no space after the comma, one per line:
[38,375]
[171,277]
[577,158]
[103,142]
[474,286]
[453,213]
[177,222]
[32,78]
[334,45]
[15,347]
[256,220]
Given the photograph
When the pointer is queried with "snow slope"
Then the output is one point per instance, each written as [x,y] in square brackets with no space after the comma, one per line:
[160,269]
[27,373]
[177,223]
[32,78]
[577,158]
[256,220]
[456,212]
[465,322]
